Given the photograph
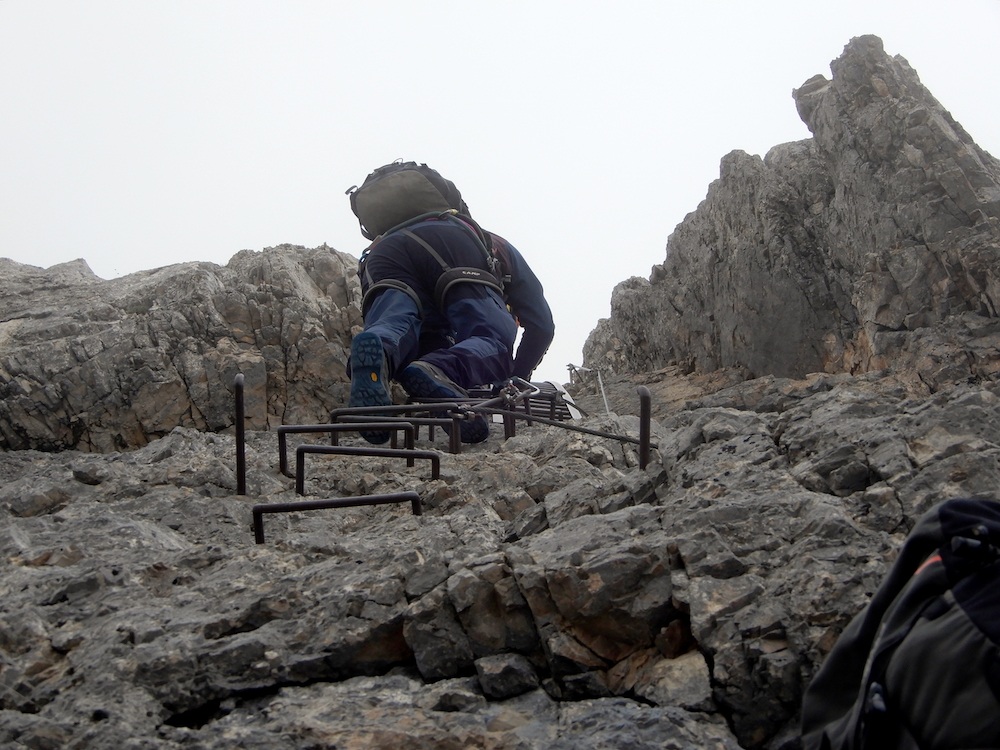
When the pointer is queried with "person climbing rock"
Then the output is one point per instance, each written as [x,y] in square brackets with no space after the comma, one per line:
[441,297]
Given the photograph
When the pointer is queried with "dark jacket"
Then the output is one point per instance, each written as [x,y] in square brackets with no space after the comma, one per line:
[526,300]
[396,258]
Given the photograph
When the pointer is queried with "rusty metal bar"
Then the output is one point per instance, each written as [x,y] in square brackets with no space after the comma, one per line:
[393,410]
[241,447]
[406,427]
[509,427]
[454,444]
[456,409]
[511,394]
[340,502]
[346,450]
[574,428]
[375,423]
[643,440]
[645,401]
[527,410]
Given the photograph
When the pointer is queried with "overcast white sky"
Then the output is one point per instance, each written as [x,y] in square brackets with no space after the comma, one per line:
[140,133]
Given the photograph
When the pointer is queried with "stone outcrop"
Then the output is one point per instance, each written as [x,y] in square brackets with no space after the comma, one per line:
[105,365]
[873,244]
[553,593]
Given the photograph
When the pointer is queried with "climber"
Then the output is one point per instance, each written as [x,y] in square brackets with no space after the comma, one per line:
[435,317]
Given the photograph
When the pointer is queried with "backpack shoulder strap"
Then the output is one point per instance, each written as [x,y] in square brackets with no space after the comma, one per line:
[451,276]
[500,251]
[491,276]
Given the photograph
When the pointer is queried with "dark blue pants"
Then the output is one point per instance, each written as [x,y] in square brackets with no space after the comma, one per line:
[478,322]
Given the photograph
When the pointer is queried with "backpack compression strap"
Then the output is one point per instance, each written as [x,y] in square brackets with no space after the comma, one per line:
[452,276]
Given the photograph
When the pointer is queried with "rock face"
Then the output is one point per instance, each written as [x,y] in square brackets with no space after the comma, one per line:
[873,244]
[106,365]
[552,594]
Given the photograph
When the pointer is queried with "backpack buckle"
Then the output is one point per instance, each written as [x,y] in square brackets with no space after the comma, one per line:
[875,702]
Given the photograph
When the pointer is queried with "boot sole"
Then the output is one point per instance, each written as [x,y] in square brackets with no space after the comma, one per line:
[368,384]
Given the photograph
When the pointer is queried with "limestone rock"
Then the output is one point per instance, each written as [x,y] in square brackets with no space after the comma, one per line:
[107,365]
[833,254]
[136,607]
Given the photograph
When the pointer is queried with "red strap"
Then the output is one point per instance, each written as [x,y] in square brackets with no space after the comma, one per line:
[927,563]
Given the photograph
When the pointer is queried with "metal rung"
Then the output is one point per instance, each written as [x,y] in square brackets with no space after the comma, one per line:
[408,429]
[512,404]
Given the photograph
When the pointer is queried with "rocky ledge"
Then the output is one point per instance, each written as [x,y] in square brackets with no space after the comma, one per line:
[552,593]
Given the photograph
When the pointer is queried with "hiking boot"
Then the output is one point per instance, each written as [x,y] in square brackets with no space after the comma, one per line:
[424,380]
[369,378]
